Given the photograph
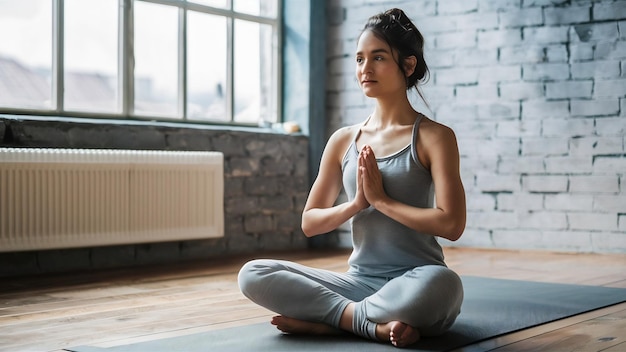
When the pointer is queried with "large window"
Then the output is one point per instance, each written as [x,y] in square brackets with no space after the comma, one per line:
[202,60]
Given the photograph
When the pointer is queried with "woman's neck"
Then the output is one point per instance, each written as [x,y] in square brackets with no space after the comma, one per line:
[389,112]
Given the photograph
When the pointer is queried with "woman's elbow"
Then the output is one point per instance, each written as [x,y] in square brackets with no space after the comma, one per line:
[454,235]
[454,230]
[307,229]
[307,232]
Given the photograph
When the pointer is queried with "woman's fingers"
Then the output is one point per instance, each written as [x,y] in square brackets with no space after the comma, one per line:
[372,185]
[360,193]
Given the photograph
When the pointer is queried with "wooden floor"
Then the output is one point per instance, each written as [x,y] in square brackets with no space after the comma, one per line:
[118,307]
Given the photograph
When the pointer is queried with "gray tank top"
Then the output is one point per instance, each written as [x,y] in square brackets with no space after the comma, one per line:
[383,246]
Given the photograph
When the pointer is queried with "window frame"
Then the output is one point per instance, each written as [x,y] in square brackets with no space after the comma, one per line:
[126,77]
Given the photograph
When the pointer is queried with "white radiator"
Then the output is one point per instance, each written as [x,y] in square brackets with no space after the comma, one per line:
[63,198]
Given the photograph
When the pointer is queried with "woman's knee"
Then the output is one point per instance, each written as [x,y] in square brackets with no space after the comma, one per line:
[443,285]
[425,296]
[251,275]
[442,300]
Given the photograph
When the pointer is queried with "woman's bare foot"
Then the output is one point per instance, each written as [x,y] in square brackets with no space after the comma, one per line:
[398,333]
[296,326]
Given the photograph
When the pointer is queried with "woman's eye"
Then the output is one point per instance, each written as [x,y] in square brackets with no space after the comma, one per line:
[378,58]
[359,60]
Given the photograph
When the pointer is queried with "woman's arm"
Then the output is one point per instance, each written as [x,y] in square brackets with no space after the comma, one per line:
[320,215]
[440,154]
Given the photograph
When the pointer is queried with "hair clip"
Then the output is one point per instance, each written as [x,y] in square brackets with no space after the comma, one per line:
[396,21]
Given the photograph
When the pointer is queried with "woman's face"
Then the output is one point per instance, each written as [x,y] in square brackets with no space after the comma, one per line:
[377,71]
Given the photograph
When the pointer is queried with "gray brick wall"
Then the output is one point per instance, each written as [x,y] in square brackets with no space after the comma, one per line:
[536,93]
[266,184]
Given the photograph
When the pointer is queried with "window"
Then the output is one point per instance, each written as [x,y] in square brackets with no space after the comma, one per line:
[203,60]
[26,59]
[90,59]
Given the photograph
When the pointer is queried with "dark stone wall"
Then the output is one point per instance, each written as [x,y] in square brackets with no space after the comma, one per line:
[265,176]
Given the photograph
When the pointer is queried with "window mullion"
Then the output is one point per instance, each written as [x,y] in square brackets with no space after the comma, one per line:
[58,76]
[230,91]
[277,99]
[182,62]
[126,82]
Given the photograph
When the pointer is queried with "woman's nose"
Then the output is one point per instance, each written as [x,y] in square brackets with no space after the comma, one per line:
[365,66]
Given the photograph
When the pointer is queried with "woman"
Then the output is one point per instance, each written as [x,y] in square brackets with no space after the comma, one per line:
[398,287]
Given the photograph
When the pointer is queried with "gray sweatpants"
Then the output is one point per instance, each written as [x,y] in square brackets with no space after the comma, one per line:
[428,297]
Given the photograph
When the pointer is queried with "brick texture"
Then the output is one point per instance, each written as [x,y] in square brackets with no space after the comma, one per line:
[536,93]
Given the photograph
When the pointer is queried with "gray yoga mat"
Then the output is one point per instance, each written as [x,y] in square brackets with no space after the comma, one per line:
[491,307]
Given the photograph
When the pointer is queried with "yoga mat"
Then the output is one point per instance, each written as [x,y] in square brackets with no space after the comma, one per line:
[491,307]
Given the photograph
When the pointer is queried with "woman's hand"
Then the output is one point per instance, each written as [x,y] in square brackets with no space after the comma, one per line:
[370,177]
[359,198]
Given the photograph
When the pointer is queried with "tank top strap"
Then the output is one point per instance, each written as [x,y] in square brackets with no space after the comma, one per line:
[414,138]
[352,145]
[358,131]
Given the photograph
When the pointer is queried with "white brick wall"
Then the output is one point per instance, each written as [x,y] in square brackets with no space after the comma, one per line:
[536,93]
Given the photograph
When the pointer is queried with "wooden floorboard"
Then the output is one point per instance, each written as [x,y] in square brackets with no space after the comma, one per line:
[595,334]
[122,306]
[509,342]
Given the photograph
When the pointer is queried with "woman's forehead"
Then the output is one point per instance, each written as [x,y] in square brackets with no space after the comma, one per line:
[368,41]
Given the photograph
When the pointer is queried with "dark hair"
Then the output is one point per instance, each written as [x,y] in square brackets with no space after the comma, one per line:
[394,27]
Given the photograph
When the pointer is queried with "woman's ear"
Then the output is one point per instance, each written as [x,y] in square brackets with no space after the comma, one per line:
[409,65]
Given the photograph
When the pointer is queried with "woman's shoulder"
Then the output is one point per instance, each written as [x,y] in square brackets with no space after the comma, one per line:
[435,139]
[344,135]
[431,130]
[340,141]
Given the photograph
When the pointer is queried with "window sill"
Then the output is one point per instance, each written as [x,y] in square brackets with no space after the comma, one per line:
[148,123]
